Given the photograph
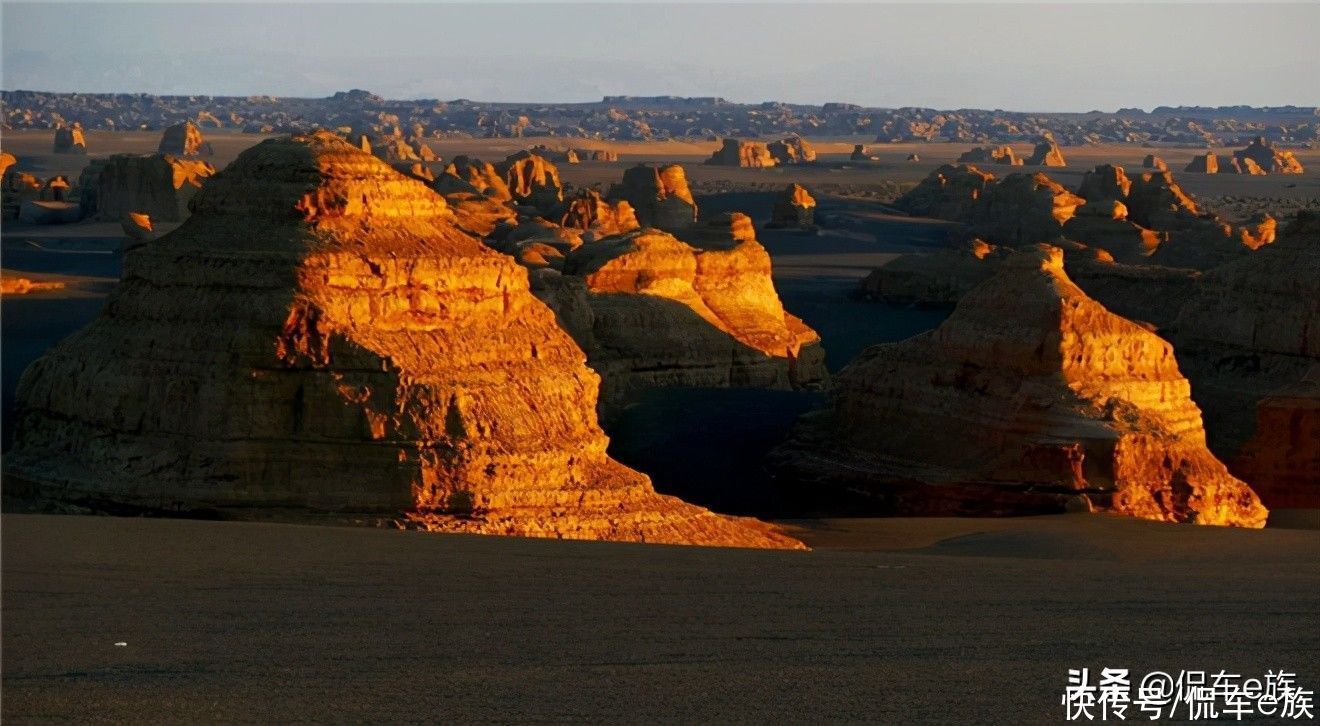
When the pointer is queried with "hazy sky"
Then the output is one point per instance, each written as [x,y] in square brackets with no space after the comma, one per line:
[1064,57]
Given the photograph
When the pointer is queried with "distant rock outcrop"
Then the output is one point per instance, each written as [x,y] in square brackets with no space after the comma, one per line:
[792,150]
[70,140]
[184,139]
[1206,163]
[1031,397]
[1022,209]
[660,196]
[651,311]
[733,152]
[794,207]
[159,185]
[321,336]
[990,155]
[1262,156]
[1047,153]
[949,192]
[859,153]
[532,180]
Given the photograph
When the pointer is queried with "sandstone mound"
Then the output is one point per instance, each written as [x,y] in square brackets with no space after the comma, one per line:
[532,180]
[465,174]
[320,335]
[1206,163]
[1262,156]
[794,207]
[651,311]
[935,279]
[659,195]
[733,152]
[69,140]
[1154,162]
[792,150]
[1047,153]
[184,139]
[949,192]
[1252,329]
[1031,397]
[1023,209]
[990,155]
[588,211]
[158,185]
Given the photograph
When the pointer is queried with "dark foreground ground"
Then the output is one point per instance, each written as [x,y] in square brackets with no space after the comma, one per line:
[908,620]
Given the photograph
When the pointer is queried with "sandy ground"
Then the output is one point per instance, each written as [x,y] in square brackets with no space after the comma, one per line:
[912,621]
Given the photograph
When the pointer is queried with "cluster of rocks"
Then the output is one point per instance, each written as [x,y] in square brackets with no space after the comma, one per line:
[1258,158]
[657,118]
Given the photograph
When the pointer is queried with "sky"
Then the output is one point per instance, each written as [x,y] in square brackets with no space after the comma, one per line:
[1025,57]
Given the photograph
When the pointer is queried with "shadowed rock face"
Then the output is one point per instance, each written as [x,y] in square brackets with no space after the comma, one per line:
[1261,156]
[1023,209]
[990,155]
[742,153]
[795,207]
[1206,163]
[659,195]
[1031,397]
[651,311]
[69,140]
[184,139]
[949,192]
[321,335]
[1282,459]
[1253,328]
[1154,162]
[1047,153]
[158,185]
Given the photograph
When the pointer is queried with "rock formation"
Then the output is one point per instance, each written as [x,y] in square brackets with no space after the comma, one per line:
[1104,225]
[158,185]
[1262,155]
[1047,153]
[465,174]
[12,285]
[1154,162]
[532,180]
[559,156]
[949,192]
[659,195]
[753,154]
[990,155]
[55,189]
[139,228]
[1206,163]
[792,150]
[1281,460]
[934,279]
[19,187]
[1244,165]
[184,139]
[1031,397]
[1155,201]
[6,160]
[794,207]
[1258,231]
[859,153]
[651,311]
[69,140]
[1252,329]
[417,170]
[319,335]
[589,212]
[597,154]
[1022,209]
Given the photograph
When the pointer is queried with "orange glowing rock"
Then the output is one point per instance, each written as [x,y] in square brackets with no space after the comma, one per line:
[1260,157]
[659,196]
[70,140]
[320,334]
[1031,397]
[1046,153]
[532,180]
[184,139]
[588,211]
[742,153]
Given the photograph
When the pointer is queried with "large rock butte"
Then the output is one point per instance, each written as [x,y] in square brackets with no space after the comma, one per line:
[1031,397]
[1046,153]
[320,335]
[659,196]
[532,180]
[158,185]
[1262,155]
[184,139]
[734,152]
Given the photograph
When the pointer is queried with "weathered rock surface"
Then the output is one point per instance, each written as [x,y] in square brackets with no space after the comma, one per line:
[1281,460]
[1262,155]
[590,212]
[794,207]
[465,174]
[659,196]
[949,192]
[734,152]
[792,150]
[70,140]
[1252,329]
[1022,209]
[158,185]
[320,335]
[1031,397]
[1154,162]
[935,279]
[139,227]
[651,311]
[184,139]
[1047,153]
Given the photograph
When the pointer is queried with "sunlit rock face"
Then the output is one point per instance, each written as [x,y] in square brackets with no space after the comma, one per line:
[158,185]
[1261,156]
[990,155]
[321,335]
[1252,329]
[184,139]
[70,140]
[589,212]
[651,310]
[1031,397]
[465,174]
[1281,460]
[733,152]
[1046,153]
[532,180]
[792,150]
[794,207]
[659,196]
